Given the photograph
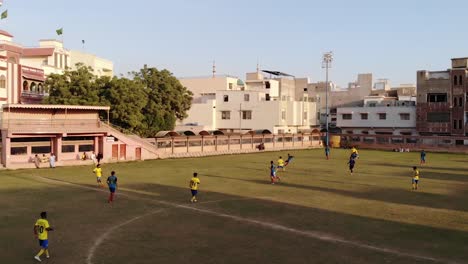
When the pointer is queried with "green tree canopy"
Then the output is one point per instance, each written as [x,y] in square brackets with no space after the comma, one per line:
[149,102]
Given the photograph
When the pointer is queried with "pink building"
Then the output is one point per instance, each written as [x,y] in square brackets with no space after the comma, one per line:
[29,128]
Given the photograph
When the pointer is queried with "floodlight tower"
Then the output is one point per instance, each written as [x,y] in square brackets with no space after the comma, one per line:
[327,63]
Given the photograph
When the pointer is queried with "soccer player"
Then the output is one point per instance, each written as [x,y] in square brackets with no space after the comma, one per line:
[290,158]
[354,153]
[351,163]
[112,183]
[415,179]
[281,163]
[273,175]
[423,157]
[41,229]
[194,187]
[98,172]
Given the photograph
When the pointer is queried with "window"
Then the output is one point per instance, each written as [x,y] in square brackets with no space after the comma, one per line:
[25,86]
[372,104]
[404,116]
[230,86]
[304,115]
[333,119]
[460,124]
[246,97]
[454,101]
[283,115]
[437,117]
[68,148]
[455,80]
[365,132]
[347,116]
[33,87]
[40,149]
[225,115]
[305,89]
[226,98]
[267,85]
[267,97]
[2,81]
[437,98]
[460,80]
[246,114]
[460,101]
[382,116]
[454,124]
[83,148]
[56,60]
[364,116]
[18,151]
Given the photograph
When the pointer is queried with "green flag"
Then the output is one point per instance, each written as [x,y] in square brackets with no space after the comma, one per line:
[4,14]
[59,31]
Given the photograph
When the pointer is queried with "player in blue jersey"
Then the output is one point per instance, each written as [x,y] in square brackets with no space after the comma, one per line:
[112,183]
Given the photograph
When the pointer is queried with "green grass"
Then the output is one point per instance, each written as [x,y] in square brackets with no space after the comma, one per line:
[374,207]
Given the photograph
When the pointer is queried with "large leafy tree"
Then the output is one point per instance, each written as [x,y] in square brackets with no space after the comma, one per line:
[149,102]
[167,101]
[78,87]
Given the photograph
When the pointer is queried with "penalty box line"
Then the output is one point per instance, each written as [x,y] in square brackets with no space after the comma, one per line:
[311,234]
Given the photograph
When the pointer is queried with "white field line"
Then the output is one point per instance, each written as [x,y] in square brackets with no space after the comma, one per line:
[311,234]
[234,199]
[101,238]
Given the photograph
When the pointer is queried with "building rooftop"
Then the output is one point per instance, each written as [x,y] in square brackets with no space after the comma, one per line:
[33,52]
[46,106]
[4,33]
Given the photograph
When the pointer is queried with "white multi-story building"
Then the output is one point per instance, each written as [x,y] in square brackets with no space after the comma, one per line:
[379,115]
[52,57]
[226,103]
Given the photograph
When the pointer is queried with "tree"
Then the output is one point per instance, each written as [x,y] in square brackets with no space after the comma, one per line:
[150,102]
[77,87]
[126,99]
[168,100]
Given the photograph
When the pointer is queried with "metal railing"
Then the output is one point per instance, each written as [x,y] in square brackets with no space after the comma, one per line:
[434,143]
[235,142]
[49,124]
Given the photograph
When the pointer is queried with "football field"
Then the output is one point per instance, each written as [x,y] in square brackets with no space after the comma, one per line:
[318,213]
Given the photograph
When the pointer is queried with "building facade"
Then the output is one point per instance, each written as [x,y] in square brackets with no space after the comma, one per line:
[442,100]
[229,104]
[380,115]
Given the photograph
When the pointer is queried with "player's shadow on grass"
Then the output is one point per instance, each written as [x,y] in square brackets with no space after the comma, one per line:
[427,173]
[70,202]
[399,196]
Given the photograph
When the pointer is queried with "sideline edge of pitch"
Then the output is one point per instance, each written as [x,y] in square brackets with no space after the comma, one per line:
[310,234]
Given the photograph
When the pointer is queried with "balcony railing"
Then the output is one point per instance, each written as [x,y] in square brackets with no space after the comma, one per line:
[48,125]
[34,94]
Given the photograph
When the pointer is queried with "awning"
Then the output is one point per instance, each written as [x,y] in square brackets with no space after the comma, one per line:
[34,77]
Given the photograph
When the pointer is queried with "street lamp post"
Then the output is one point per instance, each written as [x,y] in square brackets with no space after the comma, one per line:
[326,63]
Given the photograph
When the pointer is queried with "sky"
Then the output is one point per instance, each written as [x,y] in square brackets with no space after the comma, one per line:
[391,39]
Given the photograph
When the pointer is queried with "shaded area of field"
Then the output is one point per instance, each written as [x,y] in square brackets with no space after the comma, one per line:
[373,207]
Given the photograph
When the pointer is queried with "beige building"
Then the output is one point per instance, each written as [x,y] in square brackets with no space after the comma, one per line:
[101,67]
[226,103]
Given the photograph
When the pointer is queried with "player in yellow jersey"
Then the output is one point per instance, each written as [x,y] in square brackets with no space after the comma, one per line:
[98,172]
[41,230]
[415,178]
[281,163]
[194,187]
